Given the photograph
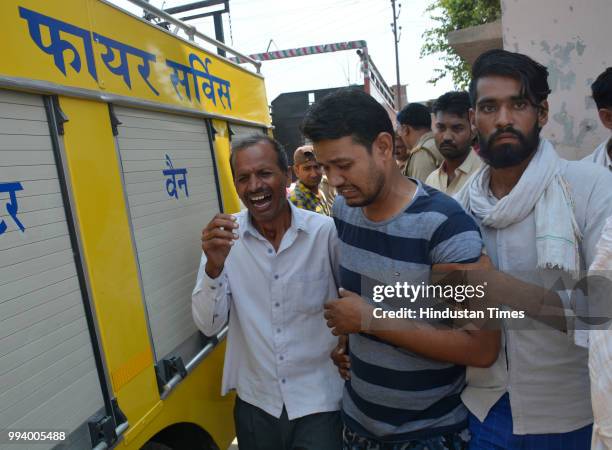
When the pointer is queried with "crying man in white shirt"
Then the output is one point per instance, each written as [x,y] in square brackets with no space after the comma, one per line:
[273,266]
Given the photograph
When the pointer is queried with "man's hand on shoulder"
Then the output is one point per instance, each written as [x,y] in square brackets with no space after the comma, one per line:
[217,240]
[348,314]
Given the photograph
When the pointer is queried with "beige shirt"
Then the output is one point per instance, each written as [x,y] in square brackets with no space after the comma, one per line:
[424,158]
[545,373]
[439,178]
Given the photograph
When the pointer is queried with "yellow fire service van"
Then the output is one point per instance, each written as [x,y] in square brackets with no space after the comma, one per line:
[114,148]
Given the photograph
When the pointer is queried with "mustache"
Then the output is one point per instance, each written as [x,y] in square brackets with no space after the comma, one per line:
[448,145]
[507,130]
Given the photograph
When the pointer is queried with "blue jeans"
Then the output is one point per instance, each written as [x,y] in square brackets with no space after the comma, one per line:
[495,433]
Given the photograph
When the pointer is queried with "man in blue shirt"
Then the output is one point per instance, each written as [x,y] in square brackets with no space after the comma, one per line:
[404,384]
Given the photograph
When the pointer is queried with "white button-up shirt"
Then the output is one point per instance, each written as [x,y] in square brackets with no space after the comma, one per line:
[278,343]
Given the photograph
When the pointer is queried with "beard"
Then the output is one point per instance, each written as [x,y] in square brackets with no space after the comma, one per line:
[508,155]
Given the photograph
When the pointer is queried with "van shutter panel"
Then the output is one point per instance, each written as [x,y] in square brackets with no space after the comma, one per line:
[48,374]
[171,193]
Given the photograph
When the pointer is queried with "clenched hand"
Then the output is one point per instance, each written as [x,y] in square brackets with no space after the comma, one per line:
[217,240]
[347,314]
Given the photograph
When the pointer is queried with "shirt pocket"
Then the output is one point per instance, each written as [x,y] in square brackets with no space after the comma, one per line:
[308,292]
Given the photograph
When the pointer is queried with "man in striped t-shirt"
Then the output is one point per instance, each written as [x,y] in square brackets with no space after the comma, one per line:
[404,384]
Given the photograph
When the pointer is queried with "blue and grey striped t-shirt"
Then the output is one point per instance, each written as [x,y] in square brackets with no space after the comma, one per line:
[395,395]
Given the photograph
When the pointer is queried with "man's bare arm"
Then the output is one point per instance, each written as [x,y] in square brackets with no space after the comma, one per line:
[352,314]
[478,348]
[542,304]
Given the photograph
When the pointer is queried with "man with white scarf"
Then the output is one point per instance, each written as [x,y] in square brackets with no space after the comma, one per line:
[541,218]
[602,95]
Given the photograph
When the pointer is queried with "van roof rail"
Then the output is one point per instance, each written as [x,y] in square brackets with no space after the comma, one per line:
[192,32]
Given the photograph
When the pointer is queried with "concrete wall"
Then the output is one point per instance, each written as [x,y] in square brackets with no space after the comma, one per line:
[573,38]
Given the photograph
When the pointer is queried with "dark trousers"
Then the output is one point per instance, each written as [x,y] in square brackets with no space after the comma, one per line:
[258,430]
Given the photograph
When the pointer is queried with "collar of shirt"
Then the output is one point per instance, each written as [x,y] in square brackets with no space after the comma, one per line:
[302,187]
[608,152]
[467,165]
[303,197]
[245,224]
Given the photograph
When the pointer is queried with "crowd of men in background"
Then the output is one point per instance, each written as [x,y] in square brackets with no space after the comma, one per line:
[471,187]
[438,146]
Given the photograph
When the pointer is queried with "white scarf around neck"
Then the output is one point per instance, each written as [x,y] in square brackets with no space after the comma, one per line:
[541,189]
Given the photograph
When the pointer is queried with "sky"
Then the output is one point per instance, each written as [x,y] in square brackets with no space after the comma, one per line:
[252,24]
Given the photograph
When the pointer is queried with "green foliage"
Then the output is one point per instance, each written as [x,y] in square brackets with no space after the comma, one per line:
[453,15]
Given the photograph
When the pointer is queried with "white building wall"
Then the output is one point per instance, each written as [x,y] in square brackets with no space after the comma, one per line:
[573,38]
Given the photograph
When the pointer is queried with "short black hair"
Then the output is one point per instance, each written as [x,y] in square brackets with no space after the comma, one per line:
[532,75]
[454,102]
[415,115]
[252,139]
[602,89]
[347,112]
